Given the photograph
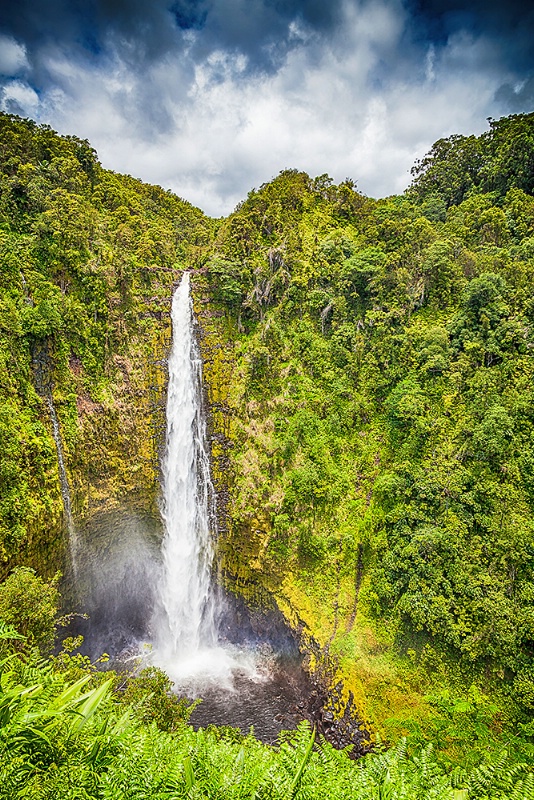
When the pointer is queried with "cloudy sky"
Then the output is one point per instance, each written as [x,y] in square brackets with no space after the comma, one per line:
[213,97]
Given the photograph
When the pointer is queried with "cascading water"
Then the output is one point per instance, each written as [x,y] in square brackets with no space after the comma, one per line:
[187,624]
[65,490]
[186,639]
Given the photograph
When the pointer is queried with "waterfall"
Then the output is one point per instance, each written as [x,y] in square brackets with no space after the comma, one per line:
[187,624]
[65,490]
[186,641]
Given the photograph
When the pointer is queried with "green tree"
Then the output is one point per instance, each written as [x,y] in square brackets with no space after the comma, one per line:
[31,605]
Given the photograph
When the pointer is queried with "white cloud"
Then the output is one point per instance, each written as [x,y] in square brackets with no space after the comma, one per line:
[364,103]
[12,57]
[429,63]
[19,98]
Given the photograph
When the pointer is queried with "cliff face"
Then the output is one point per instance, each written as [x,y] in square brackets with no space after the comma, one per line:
[239,536]
[256,559]
[110,436]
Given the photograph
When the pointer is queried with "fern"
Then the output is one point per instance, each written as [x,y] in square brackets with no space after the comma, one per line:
[60,739]
[524,788]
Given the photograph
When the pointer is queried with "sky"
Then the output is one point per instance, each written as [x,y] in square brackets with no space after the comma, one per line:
[211,98]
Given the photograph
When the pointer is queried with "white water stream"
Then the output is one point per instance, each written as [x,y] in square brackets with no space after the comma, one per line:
[65,490]
[185,643]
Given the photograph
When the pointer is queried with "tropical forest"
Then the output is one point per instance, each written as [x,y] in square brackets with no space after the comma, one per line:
[319,454]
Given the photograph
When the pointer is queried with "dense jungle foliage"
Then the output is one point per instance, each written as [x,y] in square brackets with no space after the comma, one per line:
[382,414]
[369,366]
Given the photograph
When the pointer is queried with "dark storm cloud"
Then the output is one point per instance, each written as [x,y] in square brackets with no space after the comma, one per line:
[142,32]
[484,13]
[85,29]
[509,25]
[516,98]
[251,26]
[145,30]
[509,22]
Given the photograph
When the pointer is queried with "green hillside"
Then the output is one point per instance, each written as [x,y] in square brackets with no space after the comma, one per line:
[88,260]
[380,411]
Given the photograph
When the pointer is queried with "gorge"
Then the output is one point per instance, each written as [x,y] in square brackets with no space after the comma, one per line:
[366,386]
